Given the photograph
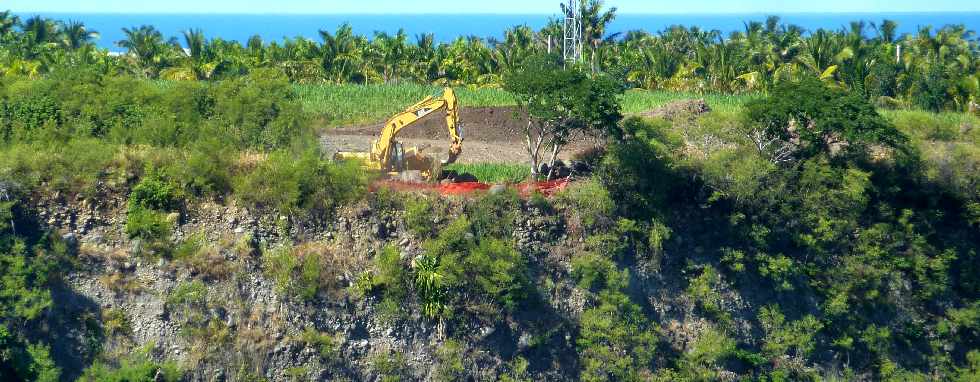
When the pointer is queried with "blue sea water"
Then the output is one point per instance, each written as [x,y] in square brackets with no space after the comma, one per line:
[448,27]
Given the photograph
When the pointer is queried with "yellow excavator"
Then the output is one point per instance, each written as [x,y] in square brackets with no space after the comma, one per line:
[387,154]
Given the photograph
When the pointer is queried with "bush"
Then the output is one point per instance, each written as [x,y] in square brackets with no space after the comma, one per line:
[304,271]
[325,344]
[596,272]
[192,293]
[450,357]
[638,171]
[590,202]
[154,194]
[392,274]
[420,216]
[301,183]
[814,118]
[499,272]
[703,289]
[782,338]
[147,225]
[261,112]
[74,166]
[495,215]
[138,367]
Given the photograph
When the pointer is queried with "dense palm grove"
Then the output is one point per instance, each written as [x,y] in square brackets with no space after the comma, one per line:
[936,69]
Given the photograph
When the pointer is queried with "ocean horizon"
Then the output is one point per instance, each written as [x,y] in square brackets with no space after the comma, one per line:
[447,27]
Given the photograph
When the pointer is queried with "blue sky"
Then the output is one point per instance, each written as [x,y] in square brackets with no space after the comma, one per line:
[482,6]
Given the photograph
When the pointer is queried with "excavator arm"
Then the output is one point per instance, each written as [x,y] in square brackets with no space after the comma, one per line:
[382,149]
[384,153]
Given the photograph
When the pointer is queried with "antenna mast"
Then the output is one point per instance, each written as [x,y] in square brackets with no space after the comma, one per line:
[572,28]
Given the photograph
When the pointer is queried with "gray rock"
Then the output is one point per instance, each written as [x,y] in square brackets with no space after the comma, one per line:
[497,189]
[524,341]
[486,332]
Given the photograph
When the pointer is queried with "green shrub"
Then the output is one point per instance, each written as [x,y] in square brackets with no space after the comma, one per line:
[192,293]
[596,272]
[392,273]
[147,225]
[260,112]
[703,289]
[421,216]
[494,215]
[74,166]
[302,183]
[616,341]
[390,365]
[206,169]
[972,371]
[31,117]
[154,194]
[590,201]
[628,239]
[302,272]
[702,360]
[325,344]
[488,267]
[138,367]
[29,267]
[115,322]
[499,271]
[639,173]
[781,337]
[450,358]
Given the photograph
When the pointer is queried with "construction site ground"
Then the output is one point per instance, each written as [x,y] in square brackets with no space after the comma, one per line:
[490,135]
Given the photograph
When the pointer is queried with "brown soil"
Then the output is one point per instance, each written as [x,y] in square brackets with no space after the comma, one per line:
[485,124]
[490,134]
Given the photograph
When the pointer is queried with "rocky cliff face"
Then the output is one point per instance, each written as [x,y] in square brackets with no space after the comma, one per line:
[221,316]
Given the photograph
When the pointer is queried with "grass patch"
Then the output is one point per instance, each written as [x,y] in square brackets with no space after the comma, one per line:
[945,127]
[493,172]
[345,105]
[636,101]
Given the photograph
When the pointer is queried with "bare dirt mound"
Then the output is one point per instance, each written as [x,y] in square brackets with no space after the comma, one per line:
[683,109]
[485,124]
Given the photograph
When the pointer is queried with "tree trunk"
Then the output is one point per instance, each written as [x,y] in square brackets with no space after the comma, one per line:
[555,149]
[532,149]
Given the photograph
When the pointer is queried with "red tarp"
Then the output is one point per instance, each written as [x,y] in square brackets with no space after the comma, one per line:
[546,188]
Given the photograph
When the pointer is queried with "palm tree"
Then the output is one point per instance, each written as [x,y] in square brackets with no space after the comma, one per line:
[197,56]
[342,53]
[41,31]
[518,44]
[886,31]
[75,35]
[424,66]
[594,24]
[388,54]
[7,22]
[822,53]
[147,46]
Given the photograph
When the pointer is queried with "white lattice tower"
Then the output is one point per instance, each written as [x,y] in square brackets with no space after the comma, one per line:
[572,46]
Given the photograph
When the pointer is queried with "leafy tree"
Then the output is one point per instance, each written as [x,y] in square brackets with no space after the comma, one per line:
[561,103]
[807,118]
